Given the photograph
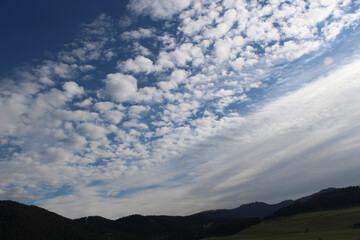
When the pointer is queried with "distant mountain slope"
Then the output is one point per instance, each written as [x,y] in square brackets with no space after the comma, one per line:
[326,190]
[257,209]
[325,200]
[250,210]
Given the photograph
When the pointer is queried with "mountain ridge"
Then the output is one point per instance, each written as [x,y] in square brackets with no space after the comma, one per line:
[258,209]
[20,221]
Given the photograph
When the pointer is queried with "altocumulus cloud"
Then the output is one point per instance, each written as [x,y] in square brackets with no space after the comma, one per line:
[205,104]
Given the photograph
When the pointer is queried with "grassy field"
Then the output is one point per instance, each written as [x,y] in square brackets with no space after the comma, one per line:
[325,225]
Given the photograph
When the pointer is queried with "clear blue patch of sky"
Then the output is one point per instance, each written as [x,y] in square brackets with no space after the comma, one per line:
[97,183]
[29,29]
[52,192]
[46,192]
[130,191]
[8,149]
[101,162]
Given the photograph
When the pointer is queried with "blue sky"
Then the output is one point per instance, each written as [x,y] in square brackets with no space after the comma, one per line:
[173,107]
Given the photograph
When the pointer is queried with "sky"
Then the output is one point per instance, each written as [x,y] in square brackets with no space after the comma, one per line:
[114,108]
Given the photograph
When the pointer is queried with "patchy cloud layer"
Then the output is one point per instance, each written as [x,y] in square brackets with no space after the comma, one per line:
[195,111]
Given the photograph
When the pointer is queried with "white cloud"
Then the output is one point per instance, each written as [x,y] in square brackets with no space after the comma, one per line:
[135,124]
[139,64]
[333,29]
[76,115]
[50,69]
[179,113]
[292,50]
[222,49]
[149,94]
[85,103]
[136,110]
[11,110]
[260,31]
[120,87]
[159,8]
[104,106]
[139,49]
[137,34]
[177,77]
[114,116]
[76,142]
[218,32]
[190,27]
[181,56]
[86,68]
[93,131]
[53,154]
[16,194]
[72,89]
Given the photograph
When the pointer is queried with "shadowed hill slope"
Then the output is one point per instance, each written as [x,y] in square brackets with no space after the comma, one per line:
[19,221]
[250,210]
[326,200]
[257,209]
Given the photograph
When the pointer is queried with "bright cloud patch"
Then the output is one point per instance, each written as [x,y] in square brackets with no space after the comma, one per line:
[120,87]
[158,8]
